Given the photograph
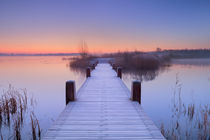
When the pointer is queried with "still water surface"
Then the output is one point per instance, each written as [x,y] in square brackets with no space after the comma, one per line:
[44,78]
[158,94]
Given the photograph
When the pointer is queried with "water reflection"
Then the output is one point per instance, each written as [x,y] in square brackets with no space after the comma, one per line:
[144,75]
[79,64]
[179,106]
[44,78]
[192,62]
[76,70]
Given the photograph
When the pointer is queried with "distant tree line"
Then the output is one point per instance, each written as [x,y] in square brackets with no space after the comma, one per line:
[186,53]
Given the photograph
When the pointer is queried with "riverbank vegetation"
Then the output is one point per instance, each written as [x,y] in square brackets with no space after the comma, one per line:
[127,60]
[136,60]
[82,62]
[184,53]
[140,61]
[84,59]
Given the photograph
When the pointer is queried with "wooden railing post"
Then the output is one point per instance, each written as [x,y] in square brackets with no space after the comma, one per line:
[70,91]
[136,91]
[110,62]
[119,72]
[93,66]
[114,66]
[87,72]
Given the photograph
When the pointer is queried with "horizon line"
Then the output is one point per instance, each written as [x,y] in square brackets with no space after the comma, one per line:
[38,54]
[73,54]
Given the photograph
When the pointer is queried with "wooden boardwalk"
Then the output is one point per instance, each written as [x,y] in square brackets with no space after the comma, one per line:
[103,111]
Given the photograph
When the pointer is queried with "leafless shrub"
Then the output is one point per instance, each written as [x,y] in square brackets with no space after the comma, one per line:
[83,49]
[84,60]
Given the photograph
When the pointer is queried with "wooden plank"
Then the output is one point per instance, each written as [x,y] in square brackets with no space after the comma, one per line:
[103,110]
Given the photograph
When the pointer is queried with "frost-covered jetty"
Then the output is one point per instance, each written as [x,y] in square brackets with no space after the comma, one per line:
[102,109]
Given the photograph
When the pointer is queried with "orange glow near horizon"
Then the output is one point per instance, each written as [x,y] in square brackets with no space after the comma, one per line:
[93,47]
[46,43]
[57,49]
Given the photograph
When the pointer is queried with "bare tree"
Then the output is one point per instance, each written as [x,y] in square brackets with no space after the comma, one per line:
[83,49]
[158,49]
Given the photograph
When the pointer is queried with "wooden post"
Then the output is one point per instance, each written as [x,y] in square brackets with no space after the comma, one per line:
[119,72]
[93,66]
[70,91]
[87,72]
[136,91]
[110,62]
[114,66]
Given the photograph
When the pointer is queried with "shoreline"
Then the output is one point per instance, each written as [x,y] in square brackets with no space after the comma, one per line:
[191,61]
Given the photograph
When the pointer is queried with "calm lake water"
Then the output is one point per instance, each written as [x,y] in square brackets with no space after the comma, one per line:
[44,78]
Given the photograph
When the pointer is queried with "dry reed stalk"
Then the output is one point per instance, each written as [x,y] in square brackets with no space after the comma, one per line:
[33,127]
[12,105]
[191,111]
[39,129]
[17,128]
[0,115]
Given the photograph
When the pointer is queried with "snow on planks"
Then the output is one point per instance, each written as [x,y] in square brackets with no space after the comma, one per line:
[103,111]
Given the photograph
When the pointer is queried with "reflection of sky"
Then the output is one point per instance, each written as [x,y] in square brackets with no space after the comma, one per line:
[44,78]
[157,95]
[58,26]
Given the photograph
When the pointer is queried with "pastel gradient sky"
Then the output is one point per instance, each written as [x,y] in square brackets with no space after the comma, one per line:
[58,26]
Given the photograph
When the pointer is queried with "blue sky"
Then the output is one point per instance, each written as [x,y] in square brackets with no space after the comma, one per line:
[106,25]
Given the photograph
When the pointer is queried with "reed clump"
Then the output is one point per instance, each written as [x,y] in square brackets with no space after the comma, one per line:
[81,62]
[187,121]
[140,61]
[14,109]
